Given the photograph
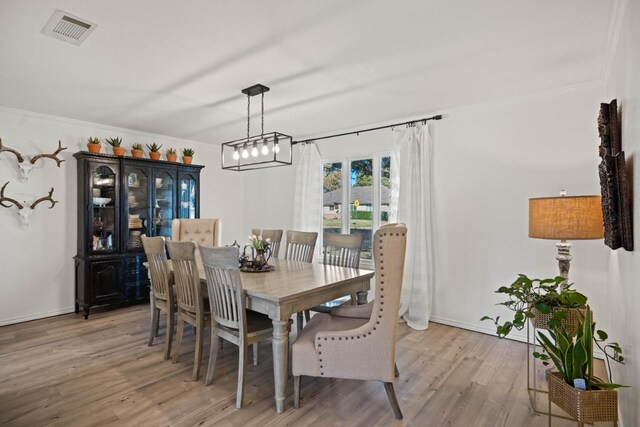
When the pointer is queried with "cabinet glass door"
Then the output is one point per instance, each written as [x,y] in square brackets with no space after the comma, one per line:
[164,208]
[104,197]
[187,197]
[137,207]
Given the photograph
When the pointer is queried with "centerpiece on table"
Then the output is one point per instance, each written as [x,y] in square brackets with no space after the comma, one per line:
[258,261]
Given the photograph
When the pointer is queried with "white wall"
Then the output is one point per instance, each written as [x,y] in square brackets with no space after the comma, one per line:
[36,265]
[488,160]
[623,286]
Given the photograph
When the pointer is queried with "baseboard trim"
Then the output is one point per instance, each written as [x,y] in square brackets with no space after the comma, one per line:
[36,316]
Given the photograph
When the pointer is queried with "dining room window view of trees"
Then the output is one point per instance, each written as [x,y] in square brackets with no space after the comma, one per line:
[368,184]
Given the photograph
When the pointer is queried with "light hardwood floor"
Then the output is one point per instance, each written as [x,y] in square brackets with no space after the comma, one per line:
[65,371]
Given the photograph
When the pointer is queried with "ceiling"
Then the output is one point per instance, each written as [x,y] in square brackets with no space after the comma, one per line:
[177,67]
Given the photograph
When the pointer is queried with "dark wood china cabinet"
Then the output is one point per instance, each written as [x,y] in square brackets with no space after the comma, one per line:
[119,200]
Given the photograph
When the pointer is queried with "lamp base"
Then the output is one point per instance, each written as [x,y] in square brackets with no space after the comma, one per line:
[564,259]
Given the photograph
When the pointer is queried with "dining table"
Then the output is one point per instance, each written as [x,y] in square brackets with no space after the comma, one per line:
[291,288]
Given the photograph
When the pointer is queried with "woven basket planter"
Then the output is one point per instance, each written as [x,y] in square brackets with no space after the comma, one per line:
[541,320]
[585,406]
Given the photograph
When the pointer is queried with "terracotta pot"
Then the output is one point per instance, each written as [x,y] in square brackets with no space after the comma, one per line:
[136,153]
[119,151]
[187,160]
[94,148]
[155,155]
[172,157]
[585,406]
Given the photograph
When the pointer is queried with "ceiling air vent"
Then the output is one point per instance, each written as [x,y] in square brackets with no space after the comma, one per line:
[67,27]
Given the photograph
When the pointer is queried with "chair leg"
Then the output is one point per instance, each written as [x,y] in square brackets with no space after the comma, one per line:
[298,322]
[169,334]
[255,354]
[242,368]
[391,394]
[213,355]
[296,391]
[397,372]
[307,315]
[198,356]
[155,320]
[176,352]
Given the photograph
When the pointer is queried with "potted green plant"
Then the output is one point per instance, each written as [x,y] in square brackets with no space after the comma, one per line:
[172,154]
[136,150]
[154,151]
[549,303]
[573,387]
[115,143]
[187,155]
[93,144]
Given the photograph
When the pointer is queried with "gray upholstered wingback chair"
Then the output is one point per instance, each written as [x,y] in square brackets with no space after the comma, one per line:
[353,347]
[201,231]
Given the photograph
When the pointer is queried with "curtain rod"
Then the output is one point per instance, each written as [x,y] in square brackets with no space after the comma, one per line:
[358,132]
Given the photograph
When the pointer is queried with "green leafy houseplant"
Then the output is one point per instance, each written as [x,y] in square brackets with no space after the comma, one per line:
[93,144]
[114,142]
[136,146]
[171,152]
[188,152]
[573,356]
[93,140]
[154,148]
[548,296]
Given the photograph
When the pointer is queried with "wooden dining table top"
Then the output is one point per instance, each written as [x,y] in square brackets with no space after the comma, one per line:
[293,279]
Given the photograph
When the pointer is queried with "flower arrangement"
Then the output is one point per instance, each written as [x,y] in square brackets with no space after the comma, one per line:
[258,243]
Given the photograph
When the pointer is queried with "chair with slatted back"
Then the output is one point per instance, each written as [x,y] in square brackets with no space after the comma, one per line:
[189,299]
[229,318]
[275,236]
[162,296]
[300,246]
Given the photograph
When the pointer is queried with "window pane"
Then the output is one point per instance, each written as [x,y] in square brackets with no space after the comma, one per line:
[332,198]
[385,189]
[361,203]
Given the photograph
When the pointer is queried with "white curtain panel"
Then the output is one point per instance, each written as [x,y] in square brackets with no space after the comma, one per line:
[411,204]
[307,214]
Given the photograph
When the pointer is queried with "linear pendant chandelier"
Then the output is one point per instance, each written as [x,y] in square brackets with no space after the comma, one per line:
[266,150]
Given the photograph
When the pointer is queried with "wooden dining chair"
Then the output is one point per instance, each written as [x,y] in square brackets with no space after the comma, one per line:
[300,246]
[162,296]
[275,236]
[341,250]
[229,318]
[356,348]
[189,298]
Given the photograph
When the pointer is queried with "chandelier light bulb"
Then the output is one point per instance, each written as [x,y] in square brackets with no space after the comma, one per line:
[236,155]
[254,150]
[265,148]
[245,152]
[276,147]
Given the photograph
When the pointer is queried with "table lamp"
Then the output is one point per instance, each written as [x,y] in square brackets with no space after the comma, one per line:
[565,218]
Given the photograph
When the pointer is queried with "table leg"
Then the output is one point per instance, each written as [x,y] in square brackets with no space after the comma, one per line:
[280,345]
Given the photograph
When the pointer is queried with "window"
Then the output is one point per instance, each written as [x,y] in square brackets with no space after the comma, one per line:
[365,204]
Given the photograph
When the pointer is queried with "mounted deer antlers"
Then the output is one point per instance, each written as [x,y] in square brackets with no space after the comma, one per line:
[25,168]
[25,212]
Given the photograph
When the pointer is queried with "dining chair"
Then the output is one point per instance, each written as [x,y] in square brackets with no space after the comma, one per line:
[162,296]
[300,246]
[189,298]
[341,250]
[274,235]
[206,231]
[229,318]
[328,345]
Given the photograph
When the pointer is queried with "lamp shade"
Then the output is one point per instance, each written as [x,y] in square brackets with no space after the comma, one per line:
[566,218]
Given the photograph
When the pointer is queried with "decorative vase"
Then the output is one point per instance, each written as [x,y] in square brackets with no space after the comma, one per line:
[585,406]
[262,258]
[155,155]
[136,153]
[187,160]
[172,157]
[94,148]
[119,151]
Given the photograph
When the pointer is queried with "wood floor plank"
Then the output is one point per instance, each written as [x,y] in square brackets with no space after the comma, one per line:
[66,371]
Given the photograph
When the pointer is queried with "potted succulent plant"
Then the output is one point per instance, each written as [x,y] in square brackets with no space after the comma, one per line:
[549,303]
[136,150]
[172,154]
[115,144]
[154,151]
[573,387]
[93,144]
[187,155]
